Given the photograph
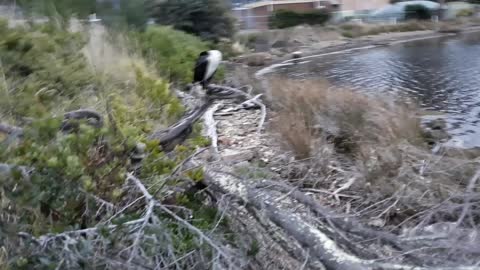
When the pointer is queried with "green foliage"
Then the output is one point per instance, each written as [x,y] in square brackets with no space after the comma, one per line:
[465,13]
[208,19]
[128,13]
[44,64]
[59,9]
[64,165]
[417,12]
[46,74]
[288,18]
[173,52]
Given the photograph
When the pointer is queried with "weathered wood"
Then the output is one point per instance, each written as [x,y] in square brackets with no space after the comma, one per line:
[93,118]
[211,128]
[178,132]
[321,247]
[11,130]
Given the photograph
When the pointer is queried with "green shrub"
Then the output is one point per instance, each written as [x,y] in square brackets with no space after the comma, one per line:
[173,52]
[287,18]
[44,64]
[465,13]
[208,19]
[128,13]
[417,12]
[61,10]
[79,178]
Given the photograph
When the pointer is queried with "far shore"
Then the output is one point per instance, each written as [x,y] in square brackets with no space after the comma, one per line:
[316,42]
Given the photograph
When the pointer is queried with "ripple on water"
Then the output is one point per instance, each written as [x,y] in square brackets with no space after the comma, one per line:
[442,75]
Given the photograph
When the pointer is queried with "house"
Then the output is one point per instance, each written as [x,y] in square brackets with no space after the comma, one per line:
[362,5]
[256,15]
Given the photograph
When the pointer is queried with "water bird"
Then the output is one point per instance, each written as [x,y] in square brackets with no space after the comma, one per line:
[297,54]
[206,66]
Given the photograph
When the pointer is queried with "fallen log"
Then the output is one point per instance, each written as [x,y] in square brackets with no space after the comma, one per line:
[8,129]
[93,118]
[178,132]
[211,128]
[295,225]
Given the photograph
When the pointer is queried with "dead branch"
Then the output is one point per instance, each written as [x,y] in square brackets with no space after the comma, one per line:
[93,118]
[154,203]
[211,128]
[224,92]
[215,91]
[321,246]
[8,129]
[345,186]
[7,169]
[248,104]
[262,117]
[468,193]
[175,173]
[178,132]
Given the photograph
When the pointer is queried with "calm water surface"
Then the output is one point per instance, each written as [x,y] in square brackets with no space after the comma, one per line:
[440,74]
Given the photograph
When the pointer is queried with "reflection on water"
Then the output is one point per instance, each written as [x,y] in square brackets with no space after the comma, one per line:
[441,74]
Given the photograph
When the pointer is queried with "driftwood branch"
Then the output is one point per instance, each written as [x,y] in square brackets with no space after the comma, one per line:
[321,246]
[153,203]
[211,128]
[8,129]
[93,118]
[178,132]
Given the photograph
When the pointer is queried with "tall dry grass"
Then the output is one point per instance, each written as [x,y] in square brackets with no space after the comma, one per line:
[373,148]
[356,30]
[350,119]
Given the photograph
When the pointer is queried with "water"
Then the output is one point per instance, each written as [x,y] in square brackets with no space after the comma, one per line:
[439,74]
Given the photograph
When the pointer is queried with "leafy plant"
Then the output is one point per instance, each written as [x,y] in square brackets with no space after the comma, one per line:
[465,12]
[173,52]
[44,64]
[58,182]
[208,19]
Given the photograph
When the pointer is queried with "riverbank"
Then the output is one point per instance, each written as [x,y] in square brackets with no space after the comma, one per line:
[339,156]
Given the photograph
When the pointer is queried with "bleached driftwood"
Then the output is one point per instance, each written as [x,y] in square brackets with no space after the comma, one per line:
[211,128]
[178,132]
[10,130]
[224,92]
[321,247]
[93,118]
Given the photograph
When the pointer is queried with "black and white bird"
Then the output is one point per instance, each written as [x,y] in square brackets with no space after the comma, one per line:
[206,66]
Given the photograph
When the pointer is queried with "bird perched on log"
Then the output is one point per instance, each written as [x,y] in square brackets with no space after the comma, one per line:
[206,66]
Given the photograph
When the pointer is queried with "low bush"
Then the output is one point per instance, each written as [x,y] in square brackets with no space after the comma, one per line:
[55,184]
[208,19]
[287,18]
[173,52]
[355,30]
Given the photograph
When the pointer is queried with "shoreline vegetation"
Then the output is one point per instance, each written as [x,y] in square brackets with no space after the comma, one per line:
[106,163]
